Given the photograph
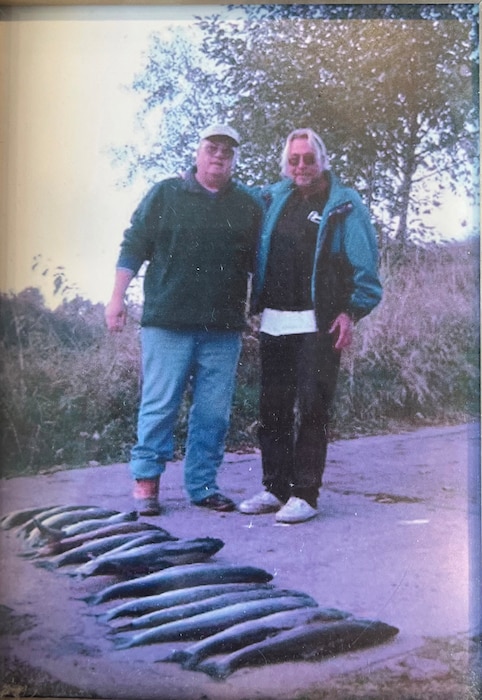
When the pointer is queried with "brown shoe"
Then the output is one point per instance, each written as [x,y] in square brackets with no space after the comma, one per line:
[218,502]
[148,506]
[146,493]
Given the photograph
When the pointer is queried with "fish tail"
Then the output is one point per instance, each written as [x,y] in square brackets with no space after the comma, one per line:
[51,534]
[122,642]
[102,617]
[190,661]
[216,669]
[178,655]
[21,531]
[93,599]
[29,554]
[42,564]
[120,628]
[51,549]
[77,575]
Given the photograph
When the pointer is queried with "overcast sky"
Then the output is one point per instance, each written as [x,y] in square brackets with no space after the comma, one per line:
[66,105]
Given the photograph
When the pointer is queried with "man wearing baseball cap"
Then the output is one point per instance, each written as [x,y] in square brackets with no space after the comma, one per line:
[198,234]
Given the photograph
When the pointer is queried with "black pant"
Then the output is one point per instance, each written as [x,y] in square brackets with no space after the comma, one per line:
[298,382]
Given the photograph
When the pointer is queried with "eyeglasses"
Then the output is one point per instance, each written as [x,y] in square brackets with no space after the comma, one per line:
[307,158]
[225,152]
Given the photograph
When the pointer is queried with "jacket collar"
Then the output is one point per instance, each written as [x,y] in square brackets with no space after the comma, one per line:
[337,194]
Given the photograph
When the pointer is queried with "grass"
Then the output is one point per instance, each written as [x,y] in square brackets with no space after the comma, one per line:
[70,391]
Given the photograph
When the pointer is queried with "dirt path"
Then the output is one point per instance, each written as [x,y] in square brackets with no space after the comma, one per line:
[396,540]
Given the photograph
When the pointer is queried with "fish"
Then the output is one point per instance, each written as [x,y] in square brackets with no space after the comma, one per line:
[150,557]
[45,533]
[90,525]
[27,527]
[66,543]
[180,596]
[42,534]
[306,642]
[88,550]
[60,520]
[50,529]
[134,541]
[20,517]
[180,577]
[249,632]
[142,538]
[180,612]
[205,624]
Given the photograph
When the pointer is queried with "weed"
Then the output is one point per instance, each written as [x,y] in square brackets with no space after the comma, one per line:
[70,391]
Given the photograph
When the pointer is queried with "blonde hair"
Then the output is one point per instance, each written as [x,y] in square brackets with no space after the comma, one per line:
[316,143]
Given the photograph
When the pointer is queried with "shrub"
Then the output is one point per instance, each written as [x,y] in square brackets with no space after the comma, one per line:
[67,398]
[70,390]
[415,358]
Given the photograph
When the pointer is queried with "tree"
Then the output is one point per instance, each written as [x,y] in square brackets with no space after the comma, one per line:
[177,89]
[393,98]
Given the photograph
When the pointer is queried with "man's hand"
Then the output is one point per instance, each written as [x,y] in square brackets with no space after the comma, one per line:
[342,329]
[115,315]
[116,311]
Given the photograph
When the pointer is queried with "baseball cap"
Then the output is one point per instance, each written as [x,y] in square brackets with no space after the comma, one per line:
[220,130]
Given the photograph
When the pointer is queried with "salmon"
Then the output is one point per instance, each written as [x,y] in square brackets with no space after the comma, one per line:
[88,521]
[249,632]
[60,520]
[181,596]
[180,577]
[89,550]
[26,528]
[308,642]
[180,612]
[150,557]
[66,543]
[90,525]
[20,517]
[205,624]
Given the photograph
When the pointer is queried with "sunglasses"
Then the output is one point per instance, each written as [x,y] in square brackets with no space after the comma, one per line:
[307,158]
[225,152]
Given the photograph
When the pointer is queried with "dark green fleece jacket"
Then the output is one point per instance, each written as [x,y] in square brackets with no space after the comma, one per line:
[200,248]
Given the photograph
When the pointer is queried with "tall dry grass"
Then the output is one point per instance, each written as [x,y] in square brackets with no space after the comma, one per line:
[70,391]
[415,359]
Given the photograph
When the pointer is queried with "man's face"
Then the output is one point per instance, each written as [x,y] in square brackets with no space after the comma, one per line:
[302,166]
[215,160]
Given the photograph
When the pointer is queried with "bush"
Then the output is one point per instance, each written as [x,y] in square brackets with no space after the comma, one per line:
[70,390]
[415,359]
[68,397]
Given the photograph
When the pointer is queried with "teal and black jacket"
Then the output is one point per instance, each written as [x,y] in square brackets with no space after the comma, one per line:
[200,249]
[345,271]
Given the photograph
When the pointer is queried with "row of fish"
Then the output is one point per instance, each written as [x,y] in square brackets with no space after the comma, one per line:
[105,542]
[170,592]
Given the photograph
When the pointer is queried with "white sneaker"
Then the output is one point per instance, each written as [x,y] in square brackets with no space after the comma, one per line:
[296,510]
[264,502]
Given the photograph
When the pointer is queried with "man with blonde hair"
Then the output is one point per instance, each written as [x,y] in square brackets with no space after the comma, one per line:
[316,276]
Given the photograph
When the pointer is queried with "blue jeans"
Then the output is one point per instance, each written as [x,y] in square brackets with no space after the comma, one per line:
[170,359]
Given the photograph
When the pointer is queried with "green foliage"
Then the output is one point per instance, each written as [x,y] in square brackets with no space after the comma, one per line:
[70,390]
[176,104]
[392,102]
[394,98]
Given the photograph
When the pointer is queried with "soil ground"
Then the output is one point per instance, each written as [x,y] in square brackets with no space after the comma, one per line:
[397,539]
